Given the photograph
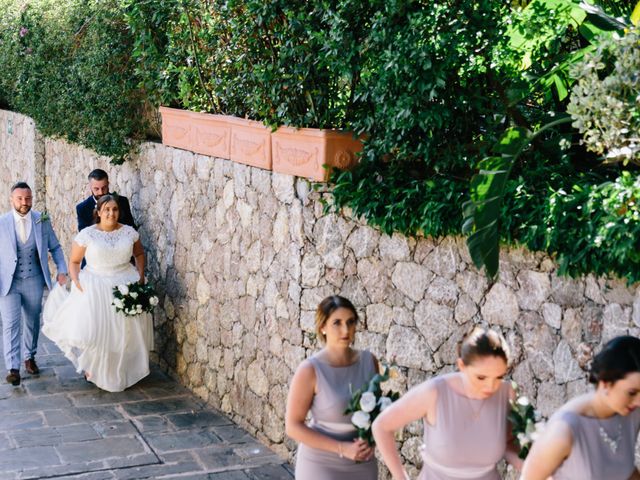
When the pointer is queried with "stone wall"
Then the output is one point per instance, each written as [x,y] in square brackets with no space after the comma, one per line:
[242,256]
[21,157]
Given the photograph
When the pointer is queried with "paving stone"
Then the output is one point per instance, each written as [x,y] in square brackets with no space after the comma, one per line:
[115,429]
[168,405]
[99,397]
[5,442]
[182,440]
[31,404]
[102,448]
[233,434]
[229,475]
[53,385]
[219,458]
[54,435]
[132,461]
[96,414]
[61,417]
[198,419]
[270,472]
[152,423]
[62,471]
[17,459]
[19,421]
[155,429]
[100,475]
[184,463]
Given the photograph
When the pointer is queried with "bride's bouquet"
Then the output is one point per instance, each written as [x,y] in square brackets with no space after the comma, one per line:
[526,422]
[134,299]
[367,403]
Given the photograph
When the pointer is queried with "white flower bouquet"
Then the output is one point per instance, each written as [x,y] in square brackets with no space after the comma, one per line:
[526,422]
[367,403]
[134,299]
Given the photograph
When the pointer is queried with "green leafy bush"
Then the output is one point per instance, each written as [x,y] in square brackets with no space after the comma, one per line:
[68,66]
[283,62]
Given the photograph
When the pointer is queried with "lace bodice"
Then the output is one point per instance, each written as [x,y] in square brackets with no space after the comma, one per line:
[107,252]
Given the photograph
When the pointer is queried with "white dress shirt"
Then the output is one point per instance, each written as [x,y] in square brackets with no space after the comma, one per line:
[27,225]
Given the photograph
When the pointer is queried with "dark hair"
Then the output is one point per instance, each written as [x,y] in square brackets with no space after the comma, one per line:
[617,358]
[483,342]
[98,174]
[110,197]
[327,307]
[20,185]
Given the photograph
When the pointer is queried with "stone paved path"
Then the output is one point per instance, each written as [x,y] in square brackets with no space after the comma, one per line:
[56,425]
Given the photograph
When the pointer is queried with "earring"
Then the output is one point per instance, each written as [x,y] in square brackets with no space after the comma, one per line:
[323,332]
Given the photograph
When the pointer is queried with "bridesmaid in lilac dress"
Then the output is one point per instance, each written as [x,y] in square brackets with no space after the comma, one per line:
[464,414]
[593,436]
[328,448]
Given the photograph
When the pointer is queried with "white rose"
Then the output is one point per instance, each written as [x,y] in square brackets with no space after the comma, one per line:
[153,301]
[139,308]
[123,289]
[367,401]
[523,401]
[118,303]
[523,440]
[384,402]
[133,295]
[361,419]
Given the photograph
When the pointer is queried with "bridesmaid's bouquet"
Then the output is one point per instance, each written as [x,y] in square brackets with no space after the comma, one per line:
[367,403]
[134,299]
[526,422]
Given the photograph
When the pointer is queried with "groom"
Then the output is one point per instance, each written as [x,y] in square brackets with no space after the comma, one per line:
[99,186]
[26,236]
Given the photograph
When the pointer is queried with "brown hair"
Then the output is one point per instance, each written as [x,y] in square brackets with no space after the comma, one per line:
[483,342]
[101,201]
[327,307]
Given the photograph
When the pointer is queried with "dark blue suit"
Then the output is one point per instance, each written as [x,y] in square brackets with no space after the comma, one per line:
[84,212]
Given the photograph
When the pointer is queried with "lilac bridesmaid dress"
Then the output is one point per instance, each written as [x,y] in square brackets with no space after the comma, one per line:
[469,436]
[334,387]
[596,455]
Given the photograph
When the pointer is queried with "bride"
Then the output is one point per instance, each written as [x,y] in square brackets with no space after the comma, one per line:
[112,349]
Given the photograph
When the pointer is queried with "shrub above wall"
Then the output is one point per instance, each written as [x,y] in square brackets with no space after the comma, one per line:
[68,66]
[433,88]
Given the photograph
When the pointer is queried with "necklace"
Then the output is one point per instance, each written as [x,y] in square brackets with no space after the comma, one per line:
[475,414]
[612,443]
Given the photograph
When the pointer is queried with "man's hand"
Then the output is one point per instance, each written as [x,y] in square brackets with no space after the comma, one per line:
[62,279]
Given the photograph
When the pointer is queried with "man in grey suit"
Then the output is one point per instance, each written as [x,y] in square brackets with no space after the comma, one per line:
[26,236]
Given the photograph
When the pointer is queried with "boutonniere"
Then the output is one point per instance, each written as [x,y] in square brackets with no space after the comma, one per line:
[44,217]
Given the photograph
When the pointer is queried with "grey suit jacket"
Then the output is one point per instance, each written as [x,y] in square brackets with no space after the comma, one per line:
[46,241]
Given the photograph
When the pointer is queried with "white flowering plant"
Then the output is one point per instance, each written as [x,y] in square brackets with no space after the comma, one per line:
[134,299]
[367,403]
[526,422]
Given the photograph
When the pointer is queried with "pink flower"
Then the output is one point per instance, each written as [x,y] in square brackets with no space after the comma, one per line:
[23,31]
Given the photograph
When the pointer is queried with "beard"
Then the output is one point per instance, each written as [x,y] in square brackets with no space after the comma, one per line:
[23,209]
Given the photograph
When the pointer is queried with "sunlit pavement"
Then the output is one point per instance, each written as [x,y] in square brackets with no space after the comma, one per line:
[57,425]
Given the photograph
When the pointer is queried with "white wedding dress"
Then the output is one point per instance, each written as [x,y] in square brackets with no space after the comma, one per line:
[111,348]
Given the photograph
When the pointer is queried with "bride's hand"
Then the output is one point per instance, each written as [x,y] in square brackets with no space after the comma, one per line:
[76,282]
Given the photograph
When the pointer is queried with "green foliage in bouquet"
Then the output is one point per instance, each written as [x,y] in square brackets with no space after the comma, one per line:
[526,423]
[134,299]
[367,403]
